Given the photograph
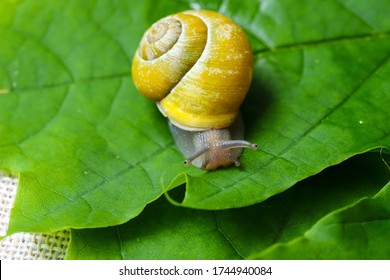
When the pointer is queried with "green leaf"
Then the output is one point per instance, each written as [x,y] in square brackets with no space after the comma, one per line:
[359,231]
[69,128]
[163,231]
[91,152]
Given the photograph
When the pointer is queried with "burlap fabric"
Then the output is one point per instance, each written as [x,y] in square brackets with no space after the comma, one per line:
[26,246]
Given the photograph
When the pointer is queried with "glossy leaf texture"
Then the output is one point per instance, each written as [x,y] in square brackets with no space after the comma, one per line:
[341,213]
[92,152]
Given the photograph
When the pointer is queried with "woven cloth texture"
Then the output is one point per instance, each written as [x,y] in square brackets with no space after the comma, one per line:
[26,246]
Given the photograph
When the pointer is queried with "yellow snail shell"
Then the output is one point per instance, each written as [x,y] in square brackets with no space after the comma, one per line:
[197,66]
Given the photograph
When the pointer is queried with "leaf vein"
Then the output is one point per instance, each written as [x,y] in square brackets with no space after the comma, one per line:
[122,249]
[354,13]
[318,43]
[226,237]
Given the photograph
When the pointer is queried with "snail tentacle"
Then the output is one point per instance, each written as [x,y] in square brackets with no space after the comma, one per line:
[194,156]
[234,160]
[234,144]
[216,148]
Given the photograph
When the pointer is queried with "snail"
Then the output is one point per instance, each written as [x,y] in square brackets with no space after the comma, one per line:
[197,66]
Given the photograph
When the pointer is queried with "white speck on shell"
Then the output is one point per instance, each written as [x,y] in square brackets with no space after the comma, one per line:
[226,31]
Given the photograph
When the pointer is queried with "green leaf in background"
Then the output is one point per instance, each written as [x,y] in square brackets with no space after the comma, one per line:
[360,231]
[163,231]
[91,152]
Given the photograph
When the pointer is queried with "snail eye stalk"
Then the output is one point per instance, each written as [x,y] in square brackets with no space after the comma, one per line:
[224,148]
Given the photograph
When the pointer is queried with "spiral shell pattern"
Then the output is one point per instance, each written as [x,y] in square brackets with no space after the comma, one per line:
[197,65]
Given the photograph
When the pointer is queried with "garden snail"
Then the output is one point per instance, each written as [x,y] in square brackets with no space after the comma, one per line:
[197,66]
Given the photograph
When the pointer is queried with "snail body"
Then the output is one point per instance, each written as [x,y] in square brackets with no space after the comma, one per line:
[197,66]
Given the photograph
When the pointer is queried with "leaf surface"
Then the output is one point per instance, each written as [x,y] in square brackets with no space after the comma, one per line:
[91,152]
[163,231]
[359,231]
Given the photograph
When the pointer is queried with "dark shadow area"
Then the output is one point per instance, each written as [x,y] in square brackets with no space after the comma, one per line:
[177,194]
[257,102]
